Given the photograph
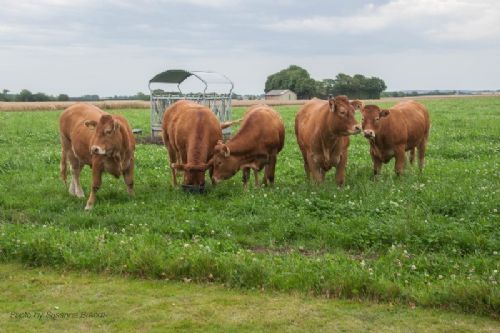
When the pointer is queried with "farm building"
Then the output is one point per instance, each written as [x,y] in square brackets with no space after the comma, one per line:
[282,95]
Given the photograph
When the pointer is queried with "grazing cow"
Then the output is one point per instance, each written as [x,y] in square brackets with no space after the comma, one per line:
[90,136]
[256,145]
[190,132]
[322,129]
[392,132]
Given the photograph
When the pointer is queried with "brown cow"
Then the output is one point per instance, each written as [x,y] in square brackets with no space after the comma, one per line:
[392,132]
[256,145]
[322,129]
[190,132]
[90,136]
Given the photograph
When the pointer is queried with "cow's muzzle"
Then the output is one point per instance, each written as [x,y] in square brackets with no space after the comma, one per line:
[356,130]
[96,150]
[369,134]
[194,189]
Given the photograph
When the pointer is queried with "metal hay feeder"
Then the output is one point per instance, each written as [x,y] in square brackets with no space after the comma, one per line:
[208,88]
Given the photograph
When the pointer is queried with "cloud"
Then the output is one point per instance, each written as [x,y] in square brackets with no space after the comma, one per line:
[453,20]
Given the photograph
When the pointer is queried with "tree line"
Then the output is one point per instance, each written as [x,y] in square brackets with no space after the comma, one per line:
[298,80]
[27,96]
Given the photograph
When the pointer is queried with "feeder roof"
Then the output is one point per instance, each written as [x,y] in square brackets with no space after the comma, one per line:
[178,76]
[171,76]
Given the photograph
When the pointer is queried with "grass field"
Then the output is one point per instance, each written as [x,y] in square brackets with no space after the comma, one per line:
[428,239]
[42,300]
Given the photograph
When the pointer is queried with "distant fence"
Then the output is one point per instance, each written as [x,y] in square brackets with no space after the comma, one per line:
[133,104]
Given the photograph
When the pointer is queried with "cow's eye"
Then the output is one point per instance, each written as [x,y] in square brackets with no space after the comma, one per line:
[107,132]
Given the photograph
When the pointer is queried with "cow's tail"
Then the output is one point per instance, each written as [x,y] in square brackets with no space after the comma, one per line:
[64,160]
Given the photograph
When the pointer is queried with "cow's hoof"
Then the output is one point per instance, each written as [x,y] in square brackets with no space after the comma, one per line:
[88,207]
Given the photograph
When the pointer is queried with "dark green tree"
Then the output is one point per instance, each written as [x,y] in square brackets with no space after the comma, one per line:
[63,98]
[294,78]
[41,97]
[4,95]
[24,96]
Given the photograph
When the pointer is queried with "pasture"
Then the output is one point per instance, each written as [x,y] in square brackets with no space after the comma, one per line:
[429,239]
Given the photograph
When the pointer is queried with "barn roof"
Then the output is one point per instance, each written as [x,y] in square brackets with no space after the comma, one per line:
[277,92]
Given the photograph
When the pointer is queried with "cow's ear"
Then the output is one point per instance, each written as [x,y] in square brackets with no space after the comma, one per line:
[91,124]
[177,166]
[225,151]
[331,101]
[357,104]
[116,125]
[384,113]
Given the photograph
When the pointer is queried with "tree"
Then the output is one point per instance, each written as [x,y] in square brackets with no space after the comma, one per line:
[24,96]
[358,86]
[41,97]
[141,96]
[3,96]
[294,78]
[63,98]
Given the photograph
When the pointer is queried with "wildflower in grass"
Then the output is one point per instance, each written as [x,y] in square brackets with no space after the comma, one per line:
[413,267]
[440,276]
[186,245]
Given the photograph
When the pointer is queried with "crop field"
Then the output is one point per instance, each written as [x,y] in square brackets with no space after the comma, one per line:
[428,239]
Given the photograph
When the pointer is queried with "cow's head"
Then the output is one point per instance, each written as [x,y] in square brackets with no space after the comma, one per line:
[107,137]
[225,165]
[344,122]
[372,115]
[194,175]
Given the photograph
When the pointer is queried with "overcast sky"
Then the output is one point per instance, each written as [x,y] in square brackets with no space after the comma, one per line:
[111,47]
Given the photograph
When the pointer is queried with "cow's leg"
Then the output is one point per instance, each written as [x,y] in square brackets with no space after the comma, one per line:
[412,155]
[317,173]
[256,176]
[128,177]
[421,154]
[306,164]
[270,169]
[340,169]
[96,184]
[75,188]
[399,153]
[377,165]
[246,176]
[211,174]
[173,159]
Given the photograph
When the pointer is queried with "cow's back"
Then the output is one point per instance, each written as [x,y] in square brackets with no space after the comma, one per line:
[410,121]
[192,129]
[261,129]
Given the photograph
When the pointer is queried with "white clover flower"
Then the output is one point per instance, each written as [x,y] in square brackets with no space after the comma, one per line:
[413,267]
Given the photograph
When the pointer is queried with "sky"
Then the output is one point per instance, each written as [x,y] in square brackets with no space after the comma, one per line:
[111,47]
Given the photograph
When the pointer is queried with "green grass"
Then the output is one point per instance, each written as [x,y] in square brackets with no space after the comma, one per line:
[430,239]
[42,300]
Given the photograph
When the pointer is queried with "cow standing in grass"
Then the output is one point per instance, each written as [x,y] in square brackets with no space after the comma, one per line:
[395,131]
[256,146]
[322,129]
[90,136]
[190,133]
